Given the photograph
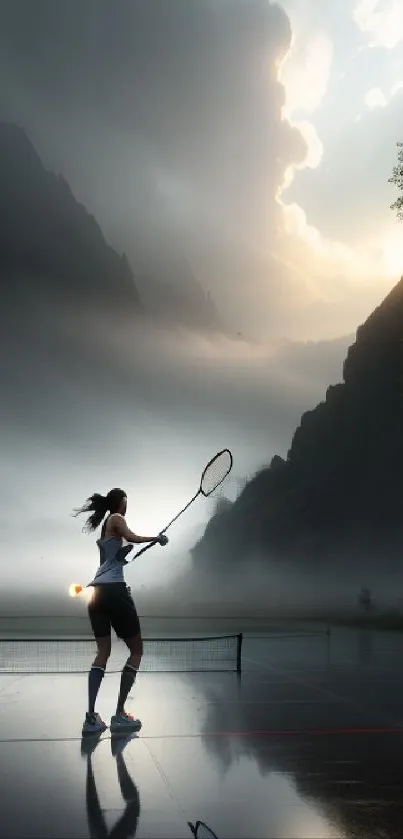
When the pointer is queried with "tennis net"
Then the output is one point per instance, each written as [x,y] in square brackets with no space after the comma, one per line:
[64,655]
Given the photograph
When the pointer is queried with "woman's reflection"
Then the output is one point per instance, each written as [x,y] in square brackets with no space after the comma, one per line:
[126,826]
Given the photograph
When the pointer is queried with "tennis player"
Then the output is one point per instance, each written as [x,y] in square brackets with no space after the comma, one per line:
[112,605]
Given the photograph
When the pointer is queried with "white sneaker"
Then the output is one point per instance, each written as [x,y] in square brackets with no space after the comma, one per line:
[93,724]
[124,722]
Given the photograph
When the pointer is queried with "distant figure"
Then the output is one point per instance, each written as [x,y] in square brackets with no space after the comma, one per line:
[112,605]
[365,600]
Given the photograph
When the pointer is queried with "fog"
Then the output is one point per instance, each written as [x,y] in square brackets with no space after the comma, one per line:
[155,404]
[91,403]
[173,130]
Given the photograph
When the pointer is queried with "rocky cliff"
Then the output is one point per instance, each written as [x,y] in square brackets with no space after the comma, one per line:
[49,244]
[339,493]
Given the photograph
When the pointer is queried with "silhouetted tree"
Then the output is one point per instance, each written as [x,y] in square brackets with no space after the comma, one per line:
[222,504]
[397,180]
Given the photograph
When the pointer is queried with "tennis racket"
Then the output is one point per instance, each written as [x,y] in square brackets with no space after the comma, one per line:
[214,473]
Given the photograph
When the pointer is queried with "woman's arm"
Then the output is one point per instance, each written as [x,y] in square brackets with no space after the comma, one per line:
[121,529]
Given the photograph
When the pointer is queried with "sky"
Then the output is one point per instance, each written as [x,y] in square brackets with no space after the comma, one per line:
[256,141]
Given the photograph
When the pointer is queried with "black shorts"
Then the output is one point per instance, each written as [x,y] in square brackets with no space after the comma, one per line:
[112,607]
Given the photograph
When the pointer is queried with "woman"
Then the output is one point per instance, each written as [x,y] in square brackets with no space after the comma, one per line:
[112,606]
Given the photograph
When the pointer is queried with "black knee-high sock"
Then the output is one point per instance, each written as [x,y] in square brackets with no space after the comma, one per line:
[127,679]
[95,677]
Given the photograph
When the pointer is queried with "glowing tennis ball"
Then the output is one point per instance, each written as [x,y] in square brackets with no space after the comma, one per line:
[75,590]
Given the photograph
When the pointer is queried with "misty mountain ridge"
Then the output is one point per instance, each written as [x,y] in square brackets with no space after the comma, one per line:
[171,293]
[335,501]
[51,247]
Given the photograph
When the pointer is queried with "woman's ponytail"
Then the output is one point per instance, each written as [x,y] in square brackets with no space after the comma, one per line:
[97,505]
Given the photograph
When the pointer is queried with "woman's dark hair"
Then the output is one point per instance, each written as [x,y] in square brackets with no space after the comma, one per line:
[99,505]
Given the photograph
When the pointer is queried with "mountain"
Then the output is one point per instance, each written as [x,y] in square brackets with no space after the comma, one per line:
[50,246]
[171,292]
[337,497]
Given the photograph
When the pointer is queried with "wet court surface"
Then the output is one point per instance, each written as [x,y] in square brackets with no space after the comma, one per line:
[306,744]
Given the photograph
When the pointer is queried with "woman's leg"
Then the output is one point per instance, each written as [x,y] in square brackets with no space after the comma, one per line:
[129,672]
[126,624]
[97,671]
[101,627]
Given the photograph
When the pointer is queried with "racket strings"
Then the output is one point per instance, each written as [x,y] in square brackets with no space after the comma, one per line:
[202,831]
[215,472]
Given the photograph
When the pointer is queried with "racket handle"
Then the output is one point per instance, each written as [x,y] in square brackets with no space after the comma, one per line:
[146,548]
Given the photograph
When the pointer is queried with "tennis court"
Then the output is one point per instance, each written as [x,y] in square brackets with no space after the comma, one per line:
[305,743]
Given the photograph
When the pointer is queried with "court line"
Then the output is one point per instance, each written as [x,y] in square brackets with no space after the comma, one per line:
[262,732]
[273,702]
[166,781]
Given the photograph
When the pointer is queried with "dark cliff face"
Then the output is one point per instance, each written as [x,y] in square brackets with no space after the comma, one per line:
[340,491]
[50,246]
[67,300]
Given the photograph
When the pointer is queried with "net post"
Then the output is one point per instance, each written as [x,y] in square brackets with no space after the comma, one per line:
[239,653]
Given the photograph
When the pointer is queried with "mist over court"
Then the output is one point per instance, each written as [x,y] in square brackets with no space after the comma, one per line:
[246,274]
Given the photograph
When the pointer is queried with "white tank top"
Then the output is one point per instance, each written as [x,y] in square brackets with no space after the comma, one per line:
[113,558]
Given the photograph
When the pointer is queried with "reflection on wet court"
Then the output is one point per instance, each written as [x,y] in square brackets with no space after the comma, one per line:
[306,742]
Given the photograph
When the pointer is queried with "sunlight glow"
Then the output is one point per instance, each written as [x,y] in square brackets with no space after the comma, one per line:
[305,73]
[393,254]
[368,261]
[76,590]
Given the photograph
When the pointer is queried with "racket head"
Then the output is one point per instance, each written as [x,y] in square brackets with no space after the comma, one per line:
[215,472]
[201,831]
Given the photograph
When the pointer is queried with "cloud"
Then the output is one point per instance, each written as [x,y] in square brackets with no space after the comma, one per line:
[375,98]
[194,90]
[338,234]
[348,197]
[305,73]
[168,126]
[196,156]
[381,20]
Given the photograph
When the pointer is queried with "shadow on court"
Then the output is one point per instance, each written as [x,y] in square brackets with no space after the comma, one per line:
[307,743]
